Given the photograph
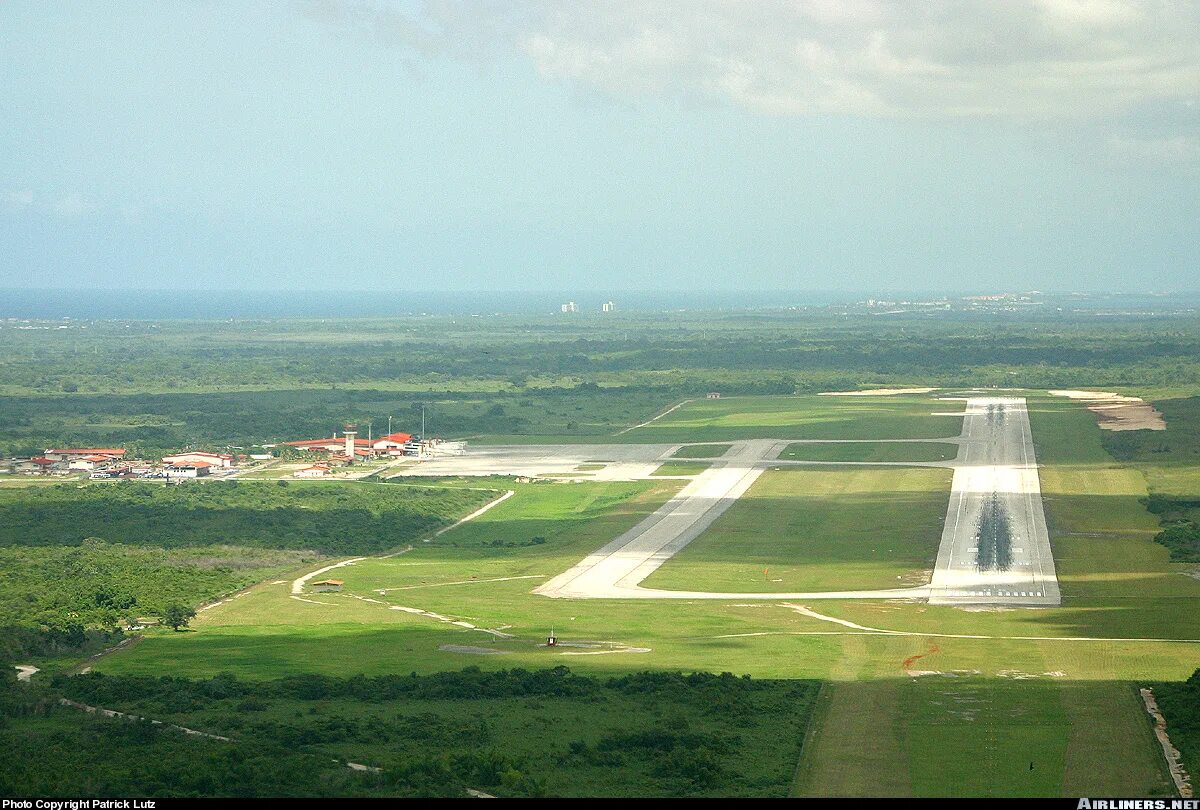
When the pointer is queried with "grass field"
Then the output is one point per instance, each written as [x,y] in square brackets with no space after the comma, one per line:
[871,451]
[1058,682]
[965,735]
[803,417]
[681,468]
[804,530]
[702,451]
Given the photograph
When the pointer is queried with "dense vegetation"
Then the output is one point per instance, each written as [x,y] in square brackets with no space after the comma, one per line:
[164,385]
[1180,518]
[102,585]
[75,559]
[1178,444]
[1180,705]
[330,518]
[509,733]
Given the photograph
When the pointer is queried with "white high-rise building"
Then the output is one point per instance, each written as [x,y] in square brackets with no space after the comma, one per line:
[609,307]
[570,307]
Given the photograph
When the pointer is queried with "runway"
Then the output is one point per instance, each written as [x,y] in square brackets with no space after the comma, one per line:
[994,548]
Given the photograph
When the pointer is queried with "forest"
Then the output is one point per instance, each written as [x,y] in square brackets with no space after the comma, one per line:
[648,733]
[76,559]
[155,386]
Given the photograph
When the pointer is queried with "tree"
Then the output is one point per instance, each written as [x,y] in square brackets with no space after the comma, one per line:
[177,615]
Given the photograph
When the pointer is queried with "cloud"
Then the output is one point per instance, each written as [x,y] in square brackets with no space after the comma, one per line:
[1016,59]
[69,206]
[73,205]
[18,200]
[1168,152]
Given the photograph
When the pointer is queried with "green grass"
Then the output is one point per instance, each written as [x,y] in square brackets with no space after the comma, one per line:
[871,451]
[681,468]
[804,417]
[1116,581]
[1101,532]
[816,530]
[965,735]
[702,451]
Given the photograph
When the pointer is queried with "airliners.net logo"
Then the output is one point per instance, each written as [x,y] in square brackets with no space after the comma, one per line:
[1138,804]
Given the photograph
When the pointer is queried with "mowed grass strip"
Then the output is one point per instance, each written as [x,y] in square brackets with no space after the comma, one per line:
[816,530]
[871,451]
[702,451]
[804,417]
[959,734]
[681,468]
[1100,530]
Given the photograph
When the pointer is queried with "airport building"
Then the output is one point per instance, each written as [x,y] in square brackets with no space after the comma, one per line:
[191,457]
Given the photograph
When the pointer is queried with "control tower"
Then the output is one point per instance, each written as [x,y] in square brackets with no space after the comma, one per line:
[350,432]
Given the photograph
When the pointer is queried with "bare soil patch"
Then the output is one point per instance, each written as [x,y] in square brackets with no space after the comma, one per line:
[1117,411]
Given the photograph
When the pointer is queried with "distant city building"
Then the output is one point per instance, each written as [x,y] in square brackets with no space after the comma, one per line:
[609,307]
[570,307]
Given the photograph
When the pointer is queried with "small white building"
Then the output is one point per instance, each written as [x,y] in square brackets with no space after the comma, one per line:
[195,470]
[315,471]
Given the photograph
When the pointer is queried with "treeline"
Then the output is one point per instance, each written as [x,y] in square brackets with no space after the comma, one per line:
[651,734]
[79,563]
[49,750]
[1181,529]
[525,377]
[186,355]
[64,591]
[471,683]
[1180,705]
[328,518]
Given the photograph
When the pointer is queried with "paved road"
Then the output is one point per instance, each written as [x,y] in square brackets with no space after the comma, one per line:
[995,472]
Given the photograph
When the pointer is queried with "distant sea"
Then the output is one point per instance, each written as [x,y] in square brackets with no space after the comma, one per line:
[229,304]
[220,305]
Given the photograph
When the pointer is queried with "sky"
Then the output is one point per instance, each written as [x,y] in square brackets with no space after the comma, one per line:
[629,144]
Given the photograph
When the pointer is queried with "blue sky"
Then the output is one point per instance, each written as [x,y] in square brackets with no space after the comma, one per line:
[1050,144]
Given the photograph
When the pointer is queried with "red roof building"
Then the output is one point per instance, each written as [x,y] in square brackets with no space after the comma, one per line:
[79,452]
